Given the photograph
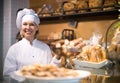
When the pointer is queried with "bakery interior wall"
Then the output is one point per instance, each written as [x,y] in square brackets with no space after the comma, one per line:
[84,28]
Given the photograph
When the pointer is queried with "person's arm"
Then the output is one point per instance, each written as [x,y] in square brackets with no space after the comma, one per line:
[56,59]
[52,57]
[10,64]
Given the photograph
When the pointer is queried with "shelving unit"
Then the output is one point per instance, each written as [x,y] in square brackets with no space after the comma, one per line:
[86,16]
[99,15]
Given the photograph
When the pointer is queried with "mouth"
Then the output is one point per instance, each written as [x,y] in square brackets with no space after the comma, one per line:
[28,31]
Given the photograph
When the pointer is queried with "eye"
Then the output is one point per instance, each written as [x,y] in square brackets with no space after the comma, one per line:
[32,24]
[24,23]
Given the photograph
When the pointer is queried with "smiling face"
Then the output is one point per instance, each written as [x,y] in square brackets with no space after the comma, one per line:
[29,29]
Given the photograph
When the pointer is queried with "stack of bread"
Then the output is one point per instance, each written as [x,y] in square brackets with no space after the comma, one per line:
[67,50]
[92,53]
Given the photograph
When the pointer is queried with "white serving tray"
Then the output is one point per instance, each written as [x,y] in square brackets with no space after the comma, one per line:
[31,79]
[90,64]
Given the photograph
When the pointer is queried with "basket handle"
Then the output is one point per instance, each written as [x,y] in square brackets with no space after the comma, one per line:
[106,35]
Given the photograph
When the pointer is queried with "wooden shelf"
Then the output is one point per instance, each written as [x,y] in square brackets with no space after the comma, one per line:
[86,16]
[101,15]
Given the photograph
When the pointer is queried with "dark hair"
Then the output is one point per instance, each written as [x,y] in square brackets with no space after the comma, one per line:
[19,10]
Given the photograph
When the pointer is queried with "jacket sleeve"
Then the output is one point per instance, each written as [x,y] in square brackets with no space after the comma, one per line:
[52,59]
[55,61]
[10,64]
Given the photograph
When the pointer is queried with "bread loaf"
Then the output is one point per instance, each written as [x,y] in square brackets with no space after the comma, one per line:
[95,53]
[82,4]
[96,3]
[69,8]
[108,3]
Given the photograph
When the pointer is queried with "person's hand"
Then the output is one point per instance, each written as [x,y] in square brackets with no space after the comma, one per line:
[57,53]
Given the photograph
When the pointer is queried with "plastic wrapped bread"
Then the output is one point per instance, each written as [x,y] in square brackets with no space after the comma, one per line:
[95,53]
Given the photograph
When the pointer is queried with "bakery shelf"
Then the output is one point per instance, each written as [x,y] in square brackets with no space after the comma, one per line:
[86,16]
[100,15]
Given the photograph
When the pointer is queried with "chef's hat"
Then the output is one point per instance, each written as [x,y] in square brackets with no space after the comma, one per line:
[26,14]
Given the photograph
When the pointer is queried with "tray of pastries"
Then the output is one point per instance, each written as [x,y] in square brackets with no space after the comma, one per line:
[91,56]
[50,74]
[79,64]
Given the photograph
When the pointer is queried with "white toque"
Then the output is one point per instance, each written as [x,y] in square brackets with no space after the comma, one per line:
[25,15]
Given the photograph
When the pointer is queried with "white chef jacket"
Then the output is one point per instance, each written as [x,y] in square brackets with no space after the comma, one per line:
[23,53]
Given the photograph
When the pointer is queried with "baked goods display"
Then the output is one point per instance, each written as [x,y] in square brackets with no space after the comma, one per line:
[66,7]
[94,53]
[114,48]
[37,73]
[48,71]
[78,50]
[67,50]
[45,10]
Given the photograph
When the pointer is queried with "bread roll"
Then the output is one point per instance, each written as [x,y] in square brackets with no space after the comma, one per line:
[82,4]
[68,8]
[96,3]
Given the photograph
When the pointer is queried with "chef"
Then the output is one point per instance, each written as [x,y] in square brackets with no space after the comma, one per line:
[28,50]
